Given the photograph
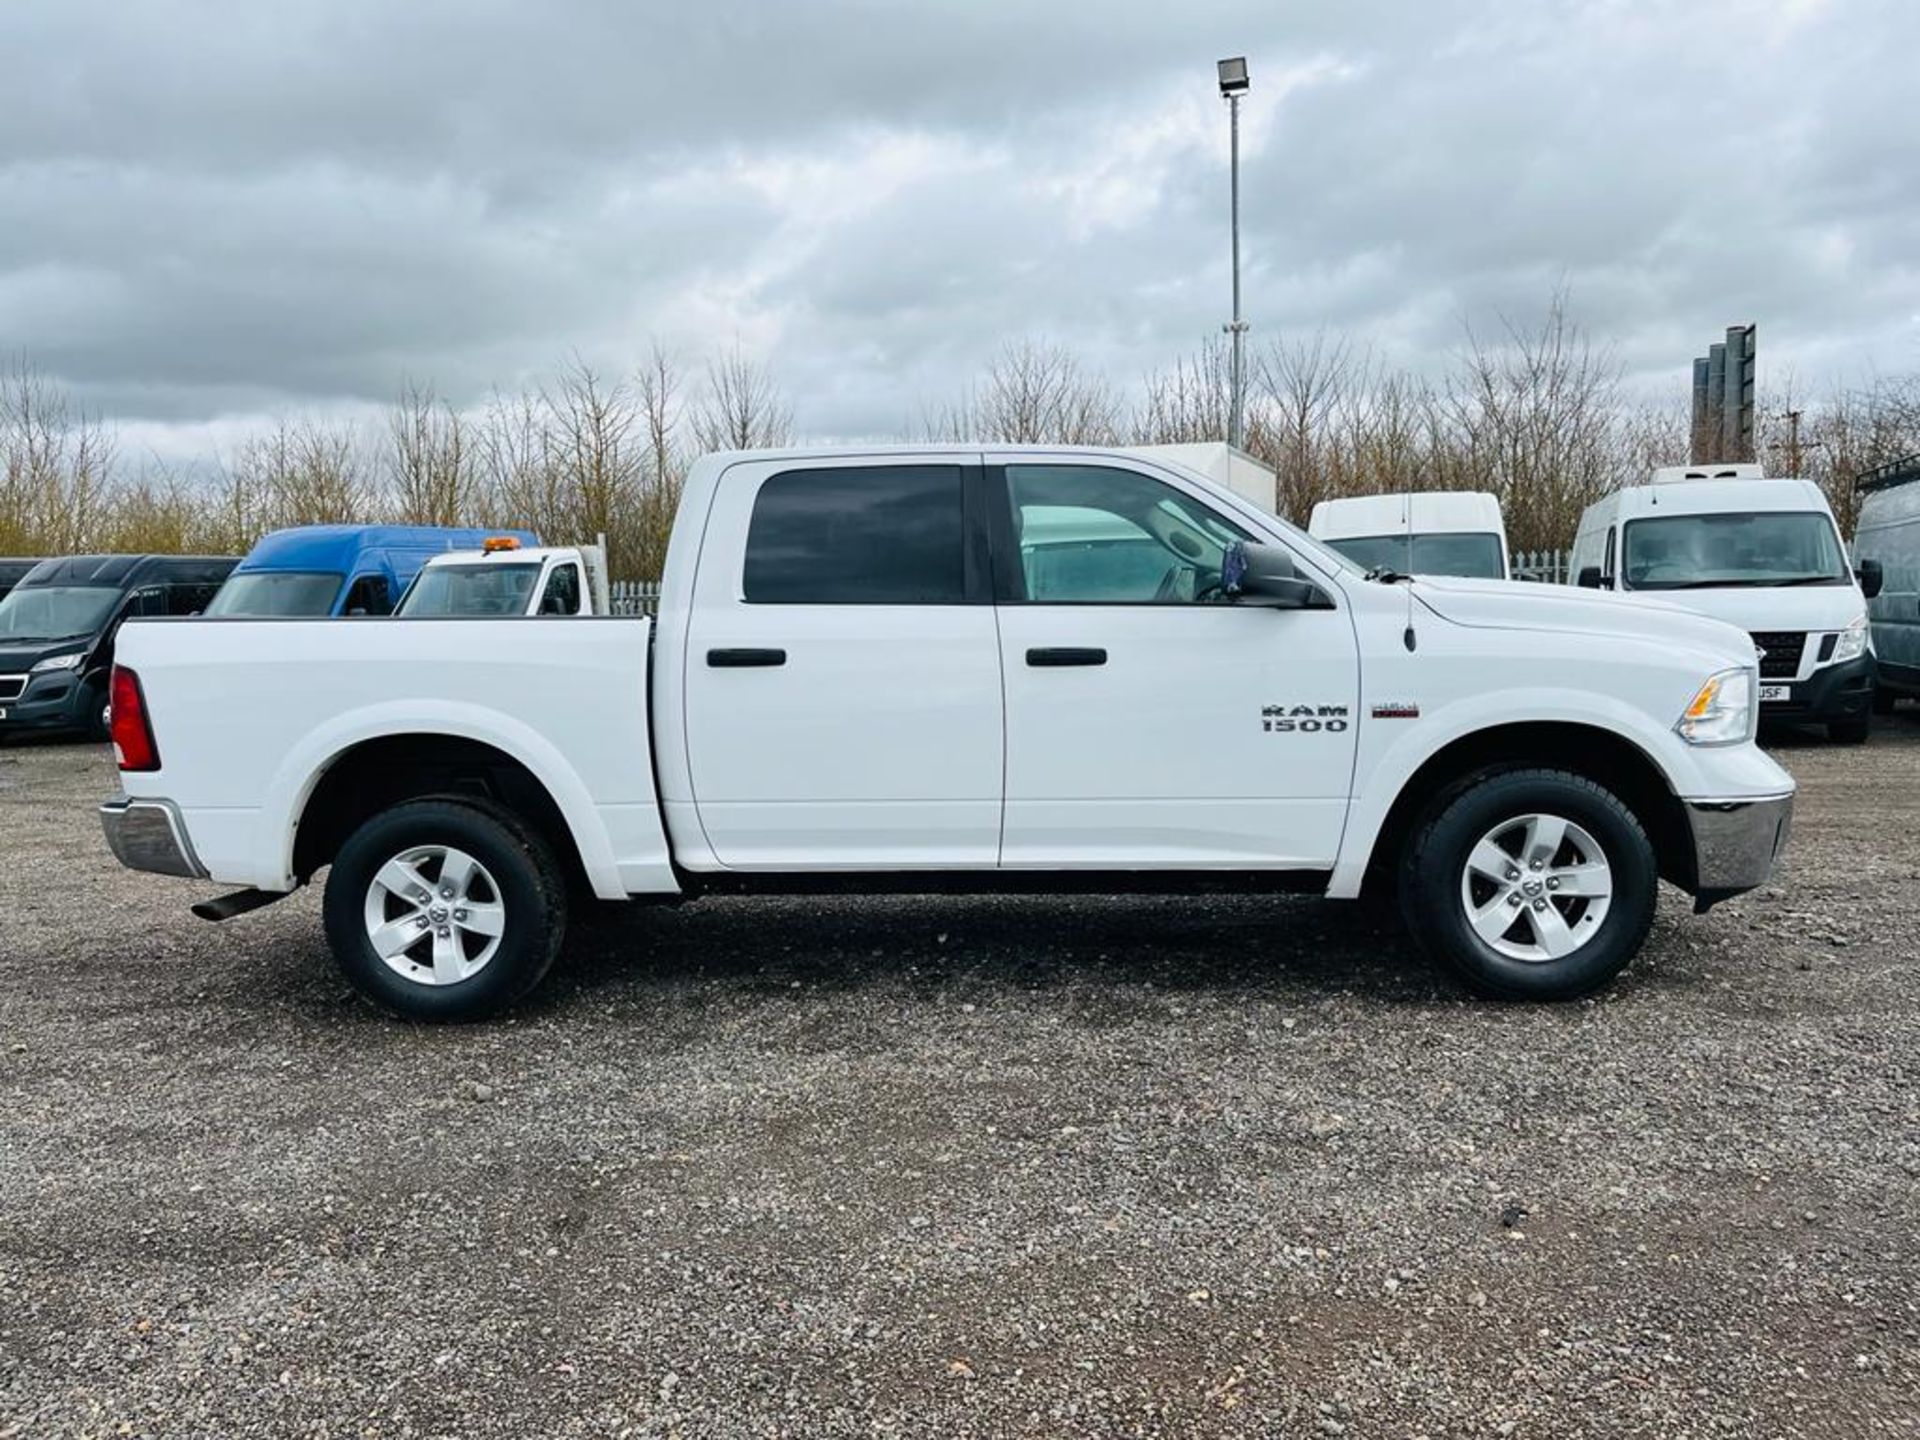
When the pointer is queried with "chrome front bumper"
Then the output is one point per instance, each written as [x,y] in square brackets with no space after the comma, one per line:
[150,835]
[1735,843]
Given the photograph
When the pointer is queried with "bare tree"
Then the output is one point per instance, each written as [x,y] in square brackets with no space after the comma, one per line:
[432,468]
[658,388]
[1188,403]
[56,466]
[742,408]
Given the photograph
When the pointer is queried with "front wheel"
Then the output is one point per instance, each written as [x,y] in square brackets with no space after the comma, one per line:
[1852,730]
[444,910]
[1530,884]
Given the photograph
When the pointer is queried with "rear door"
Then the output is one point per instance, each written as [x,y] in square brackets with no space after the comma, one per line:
[1148,724]
[842,668]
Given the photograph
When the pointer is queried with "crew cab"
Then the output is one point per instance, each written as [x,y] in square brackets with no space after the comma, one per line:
[883,670]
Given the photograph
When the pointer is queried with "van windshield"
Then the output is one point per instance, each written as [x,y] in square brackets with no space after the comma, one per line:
[277,592]
[55,612]
[1767,548]
[1473,554]
[483,588]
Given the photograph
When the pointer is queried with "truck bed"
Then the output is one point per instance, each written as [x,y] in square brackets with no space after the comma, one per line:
[247,714]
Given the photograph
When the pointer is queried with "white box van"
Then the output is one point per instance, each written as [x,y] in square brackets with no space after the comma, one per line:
[1887,537]
[1225,466]
[1429,532]
[1762,554]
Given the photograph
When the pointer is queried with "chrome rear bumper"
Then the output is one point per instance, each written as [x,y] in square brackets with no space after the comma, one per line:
[150,835]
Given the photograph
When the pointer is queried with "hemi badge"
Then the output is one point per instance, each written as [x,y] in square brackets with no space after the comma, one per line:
[1397,710]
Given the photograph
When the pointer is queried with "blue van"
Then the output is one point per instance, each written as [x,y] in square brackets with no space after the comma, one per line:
[315,570]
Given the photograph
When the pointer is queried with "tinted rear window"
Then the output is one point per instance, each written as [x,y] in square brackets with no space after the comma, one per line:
[871,535]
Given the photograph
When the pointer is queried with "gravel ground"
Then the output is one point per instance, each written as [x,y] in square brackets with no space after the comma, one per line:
[953,1167]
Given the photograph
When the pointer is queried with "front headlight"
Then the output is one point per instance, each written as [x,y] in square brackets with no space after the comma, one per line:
[58,662]
[1721,711]
[1853,641]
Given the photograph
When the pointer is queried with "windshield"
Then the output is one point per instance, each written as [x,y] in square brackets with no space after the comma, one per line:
[55,612]
[1455,553]
[1694,552]
[282,592]
[478,589]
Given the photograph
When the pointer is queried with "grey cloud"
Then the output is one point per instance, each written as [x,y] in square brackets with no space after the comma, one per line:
[223,209]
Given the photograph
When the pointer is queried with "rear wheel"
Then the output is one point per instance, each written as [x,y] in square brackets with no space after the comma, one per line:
[444,909]
[1530,884]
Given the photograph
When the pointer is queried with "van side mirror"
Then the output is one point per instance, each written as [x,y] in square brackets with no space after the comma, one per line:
[1873,579]
[1255,574]
[1590,578]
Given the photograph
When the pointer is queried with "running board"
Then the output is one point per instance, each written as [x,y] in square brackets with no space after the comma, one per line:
[238,903]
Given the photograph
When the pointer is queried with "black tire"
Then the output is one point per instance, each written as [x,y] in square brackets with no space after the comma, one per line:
[93,714]
[1884,700]
[1853,730]
[1436,861]
[517,863]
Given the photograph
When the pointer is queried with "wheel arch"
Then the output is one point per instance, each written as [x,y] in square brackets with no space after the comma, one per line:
[367,773]
[1594,752]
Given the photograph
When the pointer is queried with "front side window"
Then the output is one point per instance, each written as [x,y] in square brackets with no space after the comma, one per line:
[55,612]
[478,589]
[369,596]
[1088,534]
[562,595]
[1472,554]
[867,535]
[1768,548]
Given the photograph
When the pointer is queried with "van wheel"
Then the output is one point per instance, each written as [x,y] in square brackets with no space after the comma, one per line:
[444,909]
[1853,730]
[1530,884]
[96,716]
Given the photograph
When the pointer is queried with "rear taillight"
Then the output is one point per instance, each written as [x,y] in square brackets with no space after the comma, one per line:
[133,743]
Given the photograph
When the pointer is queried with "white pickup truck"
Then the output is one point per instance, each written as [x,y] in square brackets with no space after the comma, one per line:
[920,669]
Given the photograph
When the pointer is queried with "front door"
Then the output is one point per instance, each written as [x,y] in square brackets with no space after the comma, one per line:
[843,683]
[1150,725]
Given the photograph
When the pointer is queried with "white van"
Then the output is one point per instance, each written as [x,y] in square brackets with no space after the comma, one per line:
[1427,532]
[1887,535]
[1763,554]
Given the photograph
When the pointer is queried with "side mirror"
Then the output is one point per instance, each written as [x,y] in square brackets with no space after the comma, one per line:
[1873,579]
[1254,574]
[1590,578]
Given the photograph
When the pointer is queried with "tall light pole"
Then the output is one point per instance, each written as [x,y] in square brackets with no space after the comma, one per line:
[1234,84]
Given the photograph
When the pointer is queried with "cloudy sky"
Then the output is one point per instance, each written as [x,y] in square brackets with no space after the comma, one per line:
[213,211]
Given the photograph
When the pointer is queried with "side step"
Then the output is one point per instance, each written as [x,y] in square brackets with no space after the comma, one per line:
[238,903]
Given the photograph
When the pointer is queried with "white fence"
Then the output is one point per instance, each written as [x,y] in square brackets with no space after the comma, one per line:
[1547,565]
[636,597]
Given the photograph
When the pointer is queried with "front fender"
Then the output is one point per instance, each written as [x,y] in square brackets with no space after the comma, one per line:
[1390,757]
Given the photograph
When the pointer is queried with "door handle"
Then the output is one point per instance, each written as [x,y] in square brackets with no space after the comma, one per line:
[1055,655]
[744,658]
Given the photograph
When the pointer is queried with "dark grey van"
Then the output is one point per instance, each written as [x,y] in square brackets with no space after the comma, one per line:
[1887,530]
[57,628]
[12,572]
